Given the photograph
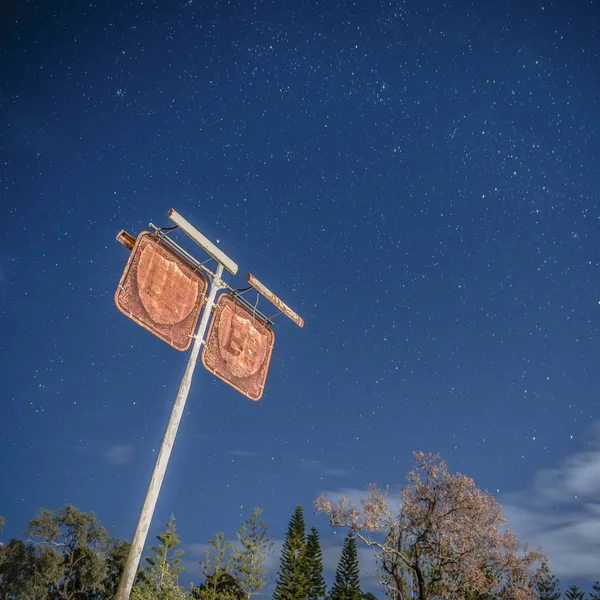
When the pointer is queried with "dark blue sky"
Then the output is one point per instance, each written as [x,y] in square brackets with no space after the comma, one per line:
[418,180]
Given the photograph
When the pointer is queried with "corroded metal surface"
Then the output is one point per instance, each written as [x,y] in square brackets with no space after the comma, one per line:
[161,292]
[238,347]
[273,299]
[127,240]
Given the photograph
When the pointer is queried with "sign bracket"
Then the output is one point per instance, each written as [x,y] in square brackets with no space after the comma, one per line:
[273,299]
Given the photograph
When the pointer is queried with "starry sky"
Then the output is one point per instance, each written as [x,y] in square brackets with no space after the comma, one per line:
[417,179]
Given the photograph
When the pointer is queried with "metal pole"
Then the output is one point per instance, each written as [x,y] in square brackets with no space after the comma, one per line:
[141,531]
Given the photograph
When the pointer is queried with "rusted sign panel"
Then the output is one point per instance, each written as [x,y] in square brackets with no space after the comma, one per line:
[238,347]
[162,292]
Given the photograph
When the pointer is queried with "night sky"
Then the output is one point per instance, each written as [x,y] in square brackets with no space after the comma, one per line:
[418,180]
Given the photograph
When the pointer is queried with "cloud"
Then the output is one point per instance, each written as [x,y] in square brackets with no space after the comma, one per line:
[190,561]
[119,454]
[561,513]
[196,550]
[242,453]
[314,464]
[336,472]
[309,463]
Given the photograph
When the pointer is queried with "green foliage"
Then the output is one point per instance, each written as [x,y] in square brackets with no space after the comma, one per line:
[249,556]
[595,593]
[574,593]
[547,585]
[159,578]
[474,595]
[224,587]
[347,584]
[71,558]
[314,567]
[118,550]
[292,580]
[219,583]
[17,570]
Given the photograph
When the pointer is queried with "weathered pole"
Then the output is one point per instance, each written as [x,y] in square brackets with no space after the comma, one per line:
[141,531]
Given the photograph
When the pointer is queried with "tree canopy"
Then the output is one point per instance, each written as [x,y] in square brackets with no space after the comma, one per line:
[442,539]
[445,538]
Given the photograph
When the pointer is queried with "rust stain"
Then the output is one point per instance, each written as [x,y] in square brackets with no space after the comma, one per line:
[161,291]
[127,240]
[238,347]
[273,299]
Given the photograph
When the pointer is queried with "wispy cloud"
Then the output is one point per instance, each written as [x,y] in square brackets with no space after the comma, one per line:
[336,472]
[309,463]
[317,465]
[119,454]
[190,561]
[561,513]
[196,550]
[242,453]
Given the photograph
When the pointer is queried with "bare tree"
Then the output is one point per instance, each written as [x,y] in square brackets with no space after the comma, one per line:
[445,539]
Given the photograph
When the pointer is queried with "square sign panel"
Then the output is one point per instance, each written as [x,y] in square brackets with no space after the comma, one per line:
[161,291]
[238,347]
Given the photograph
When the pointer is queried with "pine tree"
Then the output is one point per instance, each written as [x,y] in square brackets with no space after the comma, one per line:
[159,578]
[547,584]
[574,593]
[347,584]
[223,587]
[595,595]
[250,554]
[314,567]
[219,583]
[292,581]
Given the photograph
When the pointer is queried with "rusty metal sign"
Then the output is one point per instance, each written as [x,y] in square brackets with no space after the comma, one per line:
[238,347]
[161,291]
